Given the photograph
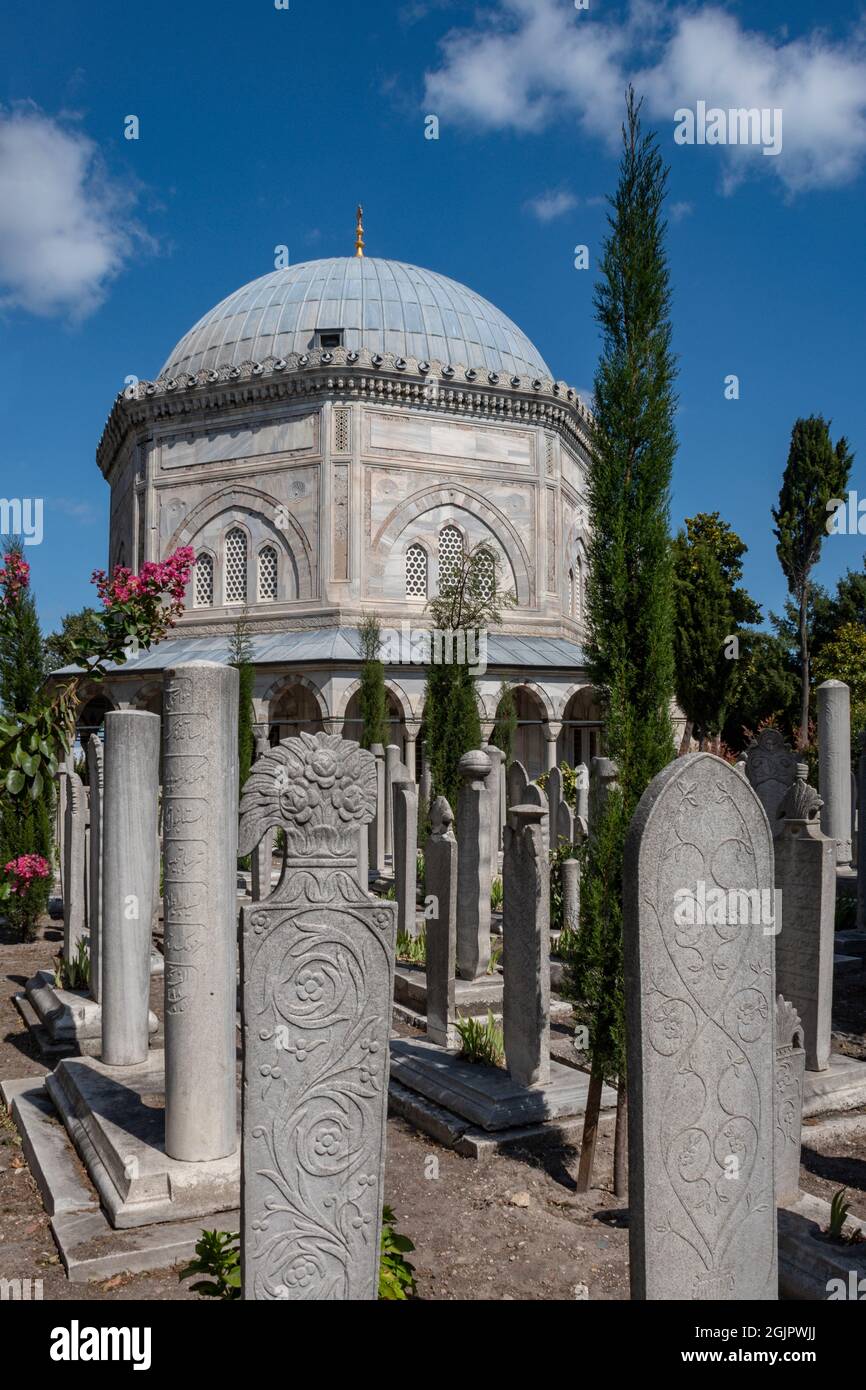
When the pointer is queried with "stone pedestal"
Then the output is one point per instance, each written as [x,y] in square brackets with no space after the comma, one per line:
[834,765]
[75,819]
[790,1067]
[700,1002]
[130,804]
[526,952]
[376,828]
[392,762]
[440,860]
[96,775]
[806,880]
[406,852]
[318,979]
[473,867]
[200,798]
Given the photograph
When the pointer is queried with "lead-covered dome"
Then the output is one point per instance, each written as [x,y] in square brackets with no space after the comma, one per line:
[355,302]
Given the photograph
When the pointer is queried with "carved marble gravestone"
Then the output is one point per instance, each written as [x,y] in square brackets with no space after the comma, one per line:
[700,1001]
[318,979]
[788,1111]
[771,767]
[74,914]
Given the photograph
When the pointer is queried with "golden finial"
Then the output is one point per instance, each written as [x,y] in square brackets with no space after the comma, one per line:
[359,233]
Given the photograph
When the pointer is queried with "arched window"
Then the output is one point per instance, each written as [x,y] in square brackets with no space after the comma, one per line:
[450,555]
[267,583]
[485,573]
[236,566]
[416,572]
[203,591]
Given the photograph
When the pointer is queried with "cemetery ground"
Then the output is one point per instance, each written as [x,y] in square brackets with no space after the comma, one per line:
[510,1228]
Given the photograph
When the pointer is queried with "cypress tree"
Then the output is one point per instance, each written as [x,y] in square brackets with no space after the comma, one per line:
[703,619]
[26,823]
[241,650]
[372,697]
[505,731]
[630,604]
[815,474]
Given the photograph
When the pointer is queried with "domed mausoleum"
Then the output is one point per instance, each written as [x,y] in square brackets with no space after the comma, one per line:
[329,438]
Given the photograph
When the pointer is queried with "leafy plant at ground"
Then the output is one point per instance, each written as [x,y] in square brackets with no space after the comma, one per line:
[75,973]
[218,1257]
[396,1274]
[412,949]
[421,872]
[495,955]
[496,894]
[567,942]
[481,1040]
[839,1210]
[846,912]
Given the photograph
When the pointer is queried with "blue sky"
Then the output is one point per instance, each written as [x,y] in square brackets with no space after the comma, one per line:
[261,126]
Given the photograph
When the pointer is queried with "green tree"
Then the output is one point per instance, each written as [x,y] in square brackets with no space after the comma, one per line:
[60,647]
[372,697]
[711,607]
[470,600]
[241,650]
[816,472]
[26,822]
[505,731]
[630,601]
[844,659]
[764,686]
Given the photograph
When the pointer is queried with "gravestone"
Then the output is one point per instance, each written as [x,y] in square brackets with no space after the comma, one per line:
[570,871]
[392,762]
[200,796]
[262,858]
[74,917]
[526,949]
[426,789]
[788,1108]
[700,1004]
[770,768]
[516,780]
[405,793]
[495,756]
[376,828]
[440,860]
[130,801]
[535,795]
[96,777]
[806,880]
[834,766]
[561,814]
[581,785]
[318,978]
[602,781]
[861,837]
[473,867]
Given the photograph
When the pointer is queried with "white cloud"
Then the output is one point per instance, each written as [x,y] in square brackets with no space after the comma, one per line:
[677,211]
[65,227]
[525,64]
[556,202]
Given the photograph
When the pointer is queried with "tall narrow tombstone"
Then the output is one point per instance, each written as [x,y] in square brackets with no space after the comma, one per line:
[473,867]
[834,765]
[318,978]
[861,837]
[517,780]
[806,880]
[855,820]
[440,862]
[535,795]
[131,793]
[700,1004]
[503,802]
[771,767]
[96,777]
[526,949]
[426,789]
[495,756]
[74,917]
[790,1064]
[262,857]
[602,781]
[392,762]
[581,786]
[570,871]
[561,814]
[405,792]
[65,768]
[376,828]
[200,794]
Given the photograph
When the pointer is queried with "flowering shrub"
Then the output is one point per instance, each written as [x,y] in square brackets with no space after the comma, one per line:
[139,609]
[24,891]
[14,577]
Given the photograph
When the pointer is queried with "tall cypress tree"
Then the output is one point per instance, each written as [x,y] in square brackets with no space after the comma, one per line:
[505,733]
[815,473]
[630,605]
[26,823]
[372,696]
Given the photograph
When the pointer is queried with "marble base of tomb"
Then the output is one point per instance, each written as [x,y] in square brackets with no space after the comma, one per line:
[841,1087]
[65,1021]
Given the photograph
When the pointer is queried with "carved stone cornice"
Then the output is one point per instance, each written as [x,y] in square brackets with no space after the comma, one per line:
[360,375]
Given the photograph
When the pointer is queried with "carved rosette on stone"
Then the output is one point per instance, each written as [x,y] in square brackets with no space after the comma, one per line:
[700,1000]
[318,973]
